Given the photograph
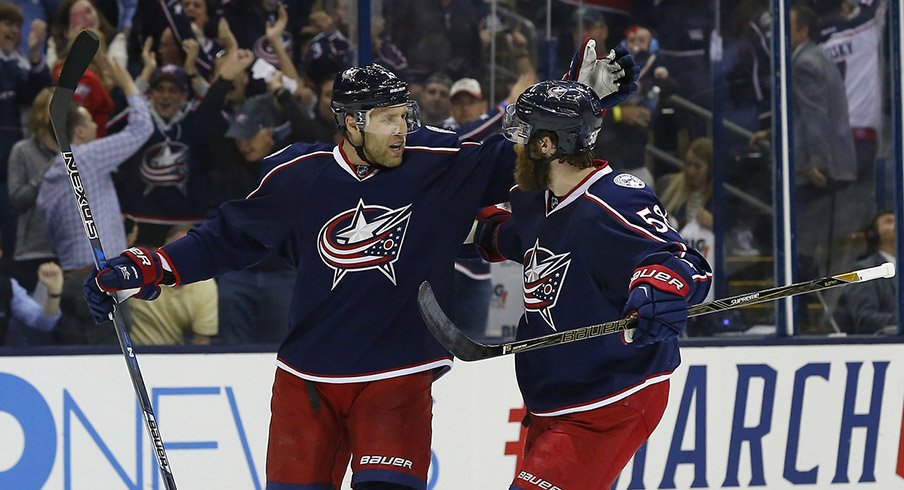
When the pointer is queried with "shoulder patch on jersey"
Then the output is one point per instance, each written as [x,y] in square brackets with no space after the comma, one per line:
[628,180]
[438,130]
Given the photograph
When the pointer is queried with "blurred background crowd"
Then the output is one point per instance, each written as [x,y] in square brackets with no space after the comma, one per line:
[186,98]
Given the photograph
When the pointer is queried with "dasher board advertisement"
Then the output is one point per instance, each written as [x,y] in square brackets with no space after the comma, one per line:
[777,417]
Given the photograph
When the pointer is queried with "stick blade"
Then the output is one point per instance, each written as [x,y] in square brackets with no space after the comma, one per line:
[80,55]
[446,333]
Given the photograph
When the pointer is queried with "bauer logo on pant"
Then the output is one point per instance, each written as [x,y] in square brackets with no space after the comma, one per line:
[363,238]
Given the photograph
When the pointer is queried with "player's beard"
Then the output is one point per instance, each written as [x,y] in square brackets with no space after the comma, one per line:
[531,174]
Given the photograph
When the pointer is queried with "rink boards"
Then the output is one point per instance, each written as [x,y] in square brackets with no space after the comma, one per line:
[778,417]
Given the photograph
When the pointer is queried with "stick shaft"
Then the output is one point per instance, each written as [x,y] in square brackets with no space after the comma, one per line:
[715,306]
[81,53]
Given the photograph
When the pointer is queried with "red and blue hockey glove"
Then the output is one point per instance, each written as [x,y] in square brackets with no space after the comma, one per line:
[136,270]
[486,235]
[657,295]
[613,78]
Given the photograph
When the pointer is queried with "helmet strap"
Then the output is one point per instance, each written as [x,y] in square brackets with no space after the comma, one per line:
[359,150]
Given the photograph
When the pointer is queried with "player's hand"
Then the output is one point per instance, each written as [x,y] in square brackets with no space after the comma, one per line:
[660,315]
[613,78]
[658,295]
[137,270]
[486,236]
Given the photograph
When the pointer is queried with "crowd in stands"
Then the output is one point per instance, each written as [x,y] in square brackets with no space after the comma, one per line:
[187,97]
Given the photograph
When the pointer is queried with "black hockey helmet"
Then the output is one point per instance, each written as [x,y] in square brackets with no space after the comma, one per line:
[568,108]
[360,89]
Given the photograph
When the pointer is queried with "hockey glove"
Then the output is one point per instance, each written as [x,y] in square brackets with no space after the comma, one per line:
[613,78]
[486,236]
[137,270]
[657,296]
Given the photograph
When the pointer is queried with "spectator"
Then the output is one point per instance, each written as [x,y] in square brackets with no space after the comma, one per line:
[435,104]
[687,194]
[328,50]
[872,307]
[163,184]
[254,303]
[15,303]
[73,16]
[198,13]
[28,161]
[824,160]
[180,315]
[851,36]
[324,124]
[21,79]
[97,158]
[231,177]
[446,37]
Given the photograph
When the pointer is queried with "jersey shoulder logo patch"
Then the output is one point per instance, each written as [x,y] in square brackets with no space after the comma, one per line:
[629,181]
[363,238]
[544,274]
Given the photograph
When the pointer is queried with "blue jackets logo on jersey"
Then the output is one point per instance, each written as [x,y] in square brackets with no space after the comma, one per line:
[363,238]
[165,164]
[544,273]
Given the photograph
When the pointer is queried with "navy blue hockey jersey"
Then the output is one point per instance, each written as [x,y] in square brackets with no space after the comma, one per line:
[165,182]
[362,241]
[579,253]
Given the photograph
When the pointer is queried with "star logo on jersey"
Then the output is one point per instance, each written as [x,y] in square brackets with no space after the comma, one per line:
[363,238]
[165,164]
[544,273]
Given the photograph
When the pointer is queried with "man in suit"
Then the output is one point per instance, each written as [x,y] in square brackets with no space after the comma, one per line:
[872,307]
[824,161]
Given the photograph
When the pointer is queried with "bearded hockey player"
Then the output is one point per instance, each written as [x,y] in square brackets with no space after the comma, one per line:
[596,246]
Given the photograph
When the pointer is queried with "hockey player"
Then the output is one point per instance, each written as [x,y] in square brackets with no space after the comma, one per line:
[596,246]
[364,222]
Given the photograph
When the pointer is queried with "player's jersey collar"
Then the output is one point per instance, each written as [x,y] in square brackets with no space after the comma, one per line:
[359,172]
[554,203]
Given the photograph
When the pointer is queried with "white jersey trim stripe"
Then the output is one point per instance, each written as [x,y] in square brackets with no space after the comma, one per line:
[281,166]
[624,221]
[482,127]
[606,401]
[395,373]
[477,277]
[580,189]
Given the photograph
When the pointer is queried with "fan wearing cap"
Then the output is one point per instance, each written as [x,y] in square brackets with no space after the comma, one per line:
[164,183]
[363,223]
[595,246]
[252,128]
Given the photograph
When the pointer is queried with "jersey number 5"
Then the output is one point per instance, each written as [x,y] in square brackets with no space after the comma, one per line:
[657,218]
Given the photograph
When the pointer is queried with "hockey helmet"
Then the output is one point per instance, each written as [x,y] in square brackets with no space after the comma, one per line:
[568,108]
[359,90]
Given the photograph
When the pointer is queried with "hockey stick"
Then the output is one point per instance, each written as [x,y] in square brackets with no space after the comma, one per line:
[80,55]
[462,347]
